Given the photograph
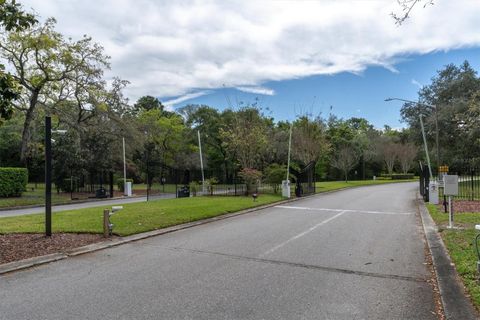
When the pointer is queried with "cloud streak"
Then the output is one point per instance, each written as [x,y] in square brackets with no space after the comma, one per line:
[171,102]
[174,48]
[257,90]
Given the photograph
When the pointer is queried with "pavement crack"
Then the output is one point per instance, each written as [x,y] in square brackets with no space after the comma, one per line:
[304,266]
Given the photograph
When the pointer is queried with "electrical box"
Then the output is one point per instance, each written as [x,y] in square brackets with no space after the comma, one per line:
[128,189]
[433,192]
[286,188]
[450,185]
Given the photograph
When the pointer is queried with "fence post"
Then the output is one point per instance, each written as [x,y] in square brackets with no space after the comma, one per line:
[471,182]
[427,186]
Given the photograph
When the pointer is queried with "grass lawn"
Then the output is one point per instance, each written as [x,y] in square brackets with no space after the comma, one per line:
[334,185]
[135,217]
[459,243]
[35,196]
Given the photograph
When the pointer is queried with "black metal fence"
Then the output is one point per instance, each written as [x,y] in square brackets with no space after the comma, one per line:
[468,183]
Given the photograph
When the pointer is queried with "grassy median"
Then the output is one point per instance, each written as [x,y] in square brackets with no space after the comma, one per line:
[136,217]
[335,185]
[460,244]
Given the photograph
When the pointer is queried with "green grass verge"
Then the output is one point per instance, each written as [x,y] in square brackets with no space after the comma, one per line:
[136,217]
[34,196]
[334,185]
[459,243]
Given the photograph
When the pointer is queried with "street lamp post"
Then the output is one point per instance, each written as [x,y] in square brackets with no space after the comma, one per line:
[436,122]
[48,176]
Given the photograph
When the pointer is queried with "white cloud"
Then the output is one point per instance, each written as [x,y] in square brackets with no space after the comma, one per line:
[416,83]
[257,90]
[170,103]
[173,48]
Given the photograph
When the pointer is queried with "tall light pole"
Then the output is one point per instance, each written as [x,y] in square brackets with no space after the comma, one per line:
[436,122]
[201,161]
[48,176]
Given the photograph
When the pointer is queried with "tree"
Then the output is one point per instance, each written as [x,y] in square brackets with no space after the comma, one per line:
[12,18]
[407,6]
[251,177]
[275,174]
[44,62]
[345,159]
[246,137]
[407,152]
[147,103]
[452,92]
[388,151]
[309,140]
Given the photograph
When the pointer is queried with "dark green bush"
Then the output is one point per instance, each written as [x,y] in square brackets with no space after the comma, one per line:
[398,176]
[13,181]
[67,184]
[121,185]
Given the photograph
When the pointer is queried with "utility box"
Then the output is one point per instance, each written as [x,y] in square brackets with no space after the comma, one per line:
[450,185]
[433,192]
[286,188]
[128,189]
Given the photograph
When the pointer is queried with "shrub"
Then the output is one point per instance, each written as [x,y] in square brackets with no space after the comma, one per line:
[67,184]
[13,181]
[209,183]
[251,178]
[121,185]
[194,186]
[274,174]
[398,176]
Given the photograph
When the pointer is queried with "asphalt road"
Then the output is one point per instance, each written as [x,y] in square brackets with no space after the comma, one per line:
[82,205]
[354,254]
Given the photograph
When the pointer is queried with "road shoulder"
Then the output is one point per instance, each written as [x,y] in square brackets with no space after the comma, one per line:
[456,305]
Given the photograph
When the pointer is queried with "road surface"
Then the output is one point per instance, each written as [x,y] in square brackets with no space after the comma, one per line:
[354,254]
[82,205]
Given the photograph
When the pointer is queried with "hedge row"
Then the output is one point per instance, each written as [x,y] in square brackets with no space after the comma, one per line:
[13,181]
[398,176]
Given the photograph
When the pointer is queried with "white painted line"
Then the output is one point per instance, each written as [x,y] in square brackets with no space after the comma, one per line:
[343,210]
[302,234]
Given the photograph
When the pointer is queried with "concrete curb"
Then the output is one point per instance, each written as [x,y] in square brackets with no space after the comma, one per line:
[455,304]
[35,261]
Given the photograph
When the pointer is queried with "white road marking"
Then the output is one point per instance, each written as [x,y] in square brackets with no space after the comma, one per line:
[343,210]
[302,234]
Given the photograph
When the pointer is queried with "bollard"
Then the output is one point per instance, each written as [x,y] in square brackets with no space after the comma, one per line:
[106,223]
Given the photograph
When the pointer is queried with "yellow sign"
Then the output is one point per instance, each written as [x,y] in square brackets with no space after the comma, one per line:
[443,169]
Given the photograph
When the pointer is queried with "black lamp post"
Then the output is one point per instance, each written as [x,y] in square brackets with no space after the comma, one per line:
[48,176]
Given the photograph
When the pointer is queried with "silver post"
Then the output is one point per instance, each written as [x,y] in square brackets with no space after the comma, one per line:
[289,147]
[450,218]
[201,162]
[426,148]
[124,169]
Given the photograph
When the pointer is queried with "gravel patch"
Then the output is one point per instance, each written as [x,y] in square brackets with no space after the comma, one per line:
[19,246]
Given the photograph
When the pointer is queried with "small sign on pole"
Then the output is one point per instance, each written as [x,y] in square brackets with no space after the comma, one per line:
[450,189]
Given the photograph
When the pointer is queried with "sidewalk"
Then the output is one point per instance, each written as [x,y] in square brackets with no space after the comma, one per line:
[82,205]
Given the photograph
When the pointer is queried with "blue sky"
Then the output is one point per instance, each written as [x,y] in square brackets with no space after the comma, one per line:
[351,95]
[348,54]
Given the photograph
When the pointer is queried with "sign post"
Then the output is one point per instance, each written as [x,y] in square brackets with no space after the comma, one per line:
[450,189]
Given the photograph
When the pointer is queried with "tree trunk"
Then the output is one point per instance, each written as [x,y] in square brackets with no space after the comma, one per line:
[26,132]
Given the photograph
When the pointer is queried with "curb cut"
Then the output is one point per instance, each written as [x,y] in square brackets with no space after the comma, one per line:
[455,304]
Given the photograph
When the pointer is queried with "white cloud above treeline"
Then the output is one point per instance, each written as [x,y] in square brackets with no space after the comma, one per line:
[178,48]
